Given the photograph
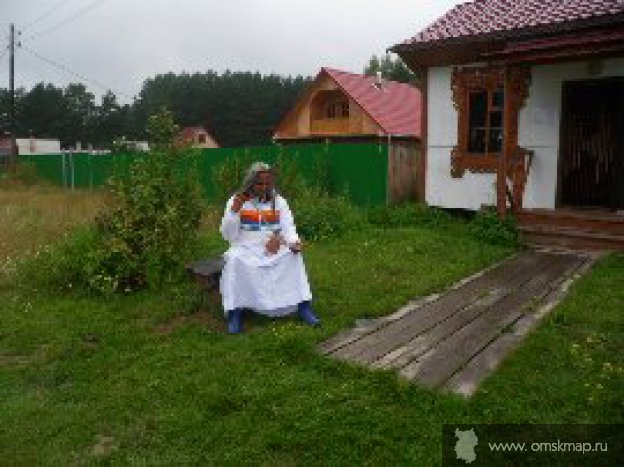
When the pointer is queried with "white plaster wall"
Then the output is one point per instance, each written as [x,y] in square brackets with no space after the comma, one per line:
[442,190]
[538,125]
[539,122]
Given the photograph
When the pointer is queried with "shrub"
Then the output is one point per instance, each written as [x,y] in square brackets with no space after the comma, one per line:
[227,178]
[487,226]
[406,215]
[145,241]
[289,180]
[319,215]
[65,265]
[23,174]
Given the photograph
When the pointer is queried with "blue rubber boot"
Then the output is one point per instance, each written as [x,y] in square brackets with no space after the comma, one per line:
[304,310]
[235,321]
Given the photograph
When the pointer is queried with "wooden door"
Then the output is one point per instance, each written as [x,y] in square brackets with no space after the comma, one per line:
[403,172]
[592,144]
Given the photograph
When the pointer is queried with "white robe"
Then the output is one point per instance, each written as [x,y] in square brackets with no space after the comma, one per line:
[271,284]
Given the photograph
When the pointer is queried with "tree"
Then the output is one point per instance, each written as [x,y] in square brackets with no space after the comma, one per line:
[392,69]
[238,108]
[79,121]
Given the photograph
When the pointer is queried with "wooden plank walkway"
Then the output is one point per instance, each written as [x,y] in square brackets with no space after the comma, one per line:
[453,340]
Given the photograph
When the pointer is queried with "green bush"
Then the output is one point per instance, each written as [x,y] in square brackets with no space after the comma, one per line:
[406,215]
[146,239]
[24,174]
[289,180]
[487,226]
[65,265]
[319,215]
[228,177]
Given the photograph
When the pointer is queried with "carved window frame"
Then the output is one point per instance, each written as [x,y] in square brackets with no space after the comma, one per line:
[465,81]
[515,92]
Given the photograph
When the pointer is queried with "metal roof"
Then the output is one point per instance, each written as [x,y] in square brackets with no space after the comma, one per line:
[502,17]
[395,106]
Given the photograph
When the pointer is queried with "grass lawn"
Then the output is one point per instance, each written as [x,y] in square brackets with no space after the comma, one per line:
[137,380]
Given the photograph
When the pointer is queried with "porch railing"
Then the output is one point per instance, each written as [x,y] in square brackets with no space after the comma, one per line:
[518,167]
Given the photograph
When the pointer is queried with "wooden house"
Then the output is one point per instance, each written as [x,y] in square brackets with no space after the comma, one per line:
[345,107]
[524,109]
[196,137]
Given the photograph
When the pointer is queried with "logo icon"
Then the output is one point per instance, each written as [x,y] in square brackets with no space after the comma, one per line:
[465,446]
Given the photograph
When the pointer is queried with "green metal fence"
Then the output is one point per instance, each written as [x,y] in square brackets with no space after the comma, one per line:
[359,170]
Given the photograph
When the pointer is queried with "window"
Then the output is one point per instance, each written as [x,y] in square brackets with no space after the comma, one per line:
[485,121]
[201,138]
[338,108]
[479,97]
[329,104]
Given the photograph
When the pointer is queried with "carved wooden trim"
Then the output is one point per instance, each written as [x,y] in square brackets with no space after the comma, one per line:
[465,80]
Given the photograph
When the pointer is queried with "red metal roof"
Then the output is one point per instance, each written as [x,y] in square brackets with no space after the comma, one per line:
[396,107]
[485,17]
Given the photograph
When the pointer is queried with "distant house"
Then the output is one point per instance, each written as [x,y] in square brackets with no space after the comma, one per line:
[345,107]
[524,109]
[123,144]
[196,137]
[30,146]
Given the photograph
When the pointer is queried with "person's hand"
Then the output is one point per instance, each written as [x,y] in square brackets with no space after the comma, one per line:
[273,245]
[296,247]
[239,199]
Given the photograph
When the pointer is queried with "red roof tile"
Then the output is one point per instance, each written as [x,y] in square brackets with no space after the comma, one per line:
[484,17]
[396,107]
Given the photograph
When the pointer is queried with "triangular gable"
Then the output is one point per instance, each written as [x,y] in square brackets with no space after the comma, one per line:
[394,106]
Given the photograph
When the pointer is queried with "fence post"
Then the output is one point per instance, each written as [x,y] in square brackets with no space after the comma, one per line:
[64,178]
[72,170]
[90,172]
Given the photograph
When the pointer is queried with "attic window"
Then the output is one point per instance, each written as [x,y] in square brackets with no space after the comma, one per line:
[337,108]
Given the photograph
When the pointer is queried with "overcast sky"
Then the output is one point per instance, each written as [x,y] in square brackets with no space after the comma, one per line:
[117,44]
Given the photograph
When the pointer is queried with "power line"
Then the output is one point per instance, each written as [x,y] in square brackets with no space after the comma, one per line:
[45,14]
[67,20]
[6,50]
[66,69]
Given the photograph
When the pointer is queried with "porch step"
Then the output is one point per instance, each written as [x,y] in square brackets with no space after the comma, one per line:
[587,221]
[571,237]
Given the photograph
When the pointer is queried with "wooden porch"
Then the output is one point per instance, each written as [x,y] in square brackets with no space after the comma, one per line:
[590,229]
[453,340]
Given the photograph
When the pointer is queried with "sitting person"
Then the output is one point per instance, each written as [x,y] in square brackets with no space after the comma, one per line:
[263,269]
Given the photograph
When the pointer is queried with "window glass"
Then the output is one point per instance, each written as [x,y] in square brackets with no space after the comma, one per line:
[477,121]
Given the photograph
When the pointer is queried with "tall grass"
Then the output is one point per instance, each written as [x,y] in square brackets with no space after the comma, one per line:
[34,216]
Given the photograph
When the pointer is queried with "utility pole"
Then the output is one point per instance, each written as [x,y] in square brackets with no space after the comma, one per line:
[12,127]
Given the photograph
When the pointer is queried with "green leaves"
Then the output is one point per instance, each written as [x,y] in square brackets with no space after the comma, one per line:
[146,239]
[487,226]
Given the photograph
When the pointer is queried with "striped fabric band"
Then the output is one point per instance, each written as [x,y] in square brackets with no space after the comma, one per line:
[259,220]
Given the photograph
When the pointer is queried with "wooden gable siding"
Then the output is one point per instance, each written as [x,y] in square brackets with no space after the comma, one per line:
[300,124]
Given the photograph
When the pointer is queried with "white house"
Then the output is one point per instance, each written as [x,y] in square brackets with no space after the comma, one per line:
[524,107]
[29,146]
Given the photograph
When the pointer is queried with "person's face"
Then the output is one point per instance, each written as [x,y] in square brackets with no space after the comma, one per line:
[263,183]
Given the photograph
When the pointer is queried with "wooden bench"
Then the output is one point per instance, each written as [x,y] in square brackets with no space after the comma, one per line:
[206,272]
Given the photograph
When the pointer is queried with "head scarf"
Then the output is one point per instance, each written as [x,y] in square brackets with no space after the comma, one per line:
[251,177]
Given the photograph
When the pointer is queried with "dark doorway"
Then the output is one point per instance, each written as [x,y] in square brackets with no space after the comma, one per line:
[591,169]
